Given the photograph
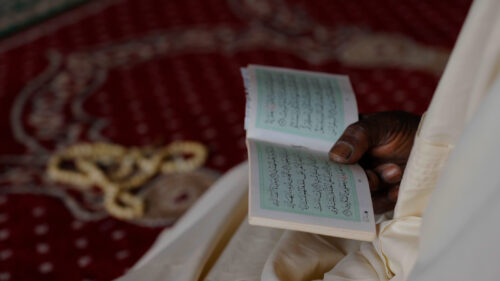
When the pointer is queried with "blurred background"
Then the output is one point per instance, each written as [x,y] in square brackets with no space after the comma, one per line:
[148,73]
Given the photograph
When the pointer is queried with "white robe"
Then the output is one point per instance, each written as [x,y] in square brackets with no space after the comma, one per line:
[454,158]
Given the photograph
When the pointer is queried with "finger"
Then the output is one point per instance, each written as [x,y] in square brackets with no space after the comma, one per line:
[382,204]
[393,193]
[373,180]
[353,143]
[387,135]
[389,173]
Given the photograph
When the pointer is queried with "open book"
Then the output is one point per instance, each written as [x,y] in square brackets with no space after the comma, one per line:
[292,120]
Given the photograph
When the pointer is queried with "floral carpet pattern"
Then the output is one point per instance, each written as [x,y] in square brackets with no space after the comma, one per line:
[150,72]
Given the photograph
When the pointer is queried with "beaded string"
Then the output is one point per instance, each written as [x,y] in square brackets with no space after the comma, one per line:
[132,167]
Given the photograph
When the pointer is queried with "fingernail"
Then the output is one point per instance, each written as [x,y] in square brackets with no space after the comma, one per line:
[341,151]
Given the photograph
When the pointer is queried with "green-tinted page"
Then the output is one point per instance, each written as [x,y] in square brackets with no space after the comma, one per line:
[302,182]
[299,103]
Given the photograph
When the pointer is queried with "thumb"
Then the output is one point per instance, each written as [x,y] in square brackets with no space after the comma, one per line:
[354,142]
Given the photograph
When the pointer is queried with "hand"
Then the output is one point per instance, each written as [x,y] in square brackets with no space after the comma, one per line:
[381,143]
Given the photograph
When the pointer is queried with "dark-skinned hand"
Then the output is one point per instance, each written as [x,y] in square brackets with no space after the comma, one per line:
[381,143]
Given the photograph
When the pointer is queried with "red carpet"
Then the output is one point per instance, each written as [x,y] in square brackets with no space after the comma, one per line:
[153,71]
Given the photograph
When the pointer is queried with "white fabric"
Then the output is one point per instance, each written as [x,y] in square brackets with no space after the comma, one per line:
[460,230]
[465,79]
[462,87]
[244,257]
[422,171]
[464,84]
[304,256]
[363,265]
[181,253]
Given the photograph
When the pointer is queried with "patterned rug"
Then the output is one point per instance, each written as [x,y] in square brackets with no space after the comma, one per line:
[150,72]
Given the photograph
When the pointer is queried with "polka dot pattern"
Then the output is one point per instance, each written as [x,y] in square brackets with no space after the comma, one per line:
[55,246]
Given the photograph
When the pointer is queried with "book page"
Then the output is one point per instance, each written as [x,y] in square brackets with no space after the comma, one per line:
[314,108]
[301,186]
